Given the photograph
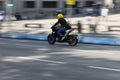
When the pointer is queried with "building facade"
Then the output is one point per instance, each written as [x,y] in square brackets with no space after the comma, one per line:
[49,5]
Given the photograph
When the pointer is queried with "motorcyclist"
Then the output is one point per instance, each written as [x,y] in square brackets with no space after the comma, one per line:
[64,26]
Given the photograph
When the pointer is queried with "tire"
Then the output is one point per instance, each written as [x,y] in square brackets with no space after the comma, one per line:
[72,40]
[51,39]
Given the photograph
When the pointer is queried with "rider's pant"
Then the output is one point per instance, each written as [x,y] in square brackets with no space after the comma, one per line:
[61,31]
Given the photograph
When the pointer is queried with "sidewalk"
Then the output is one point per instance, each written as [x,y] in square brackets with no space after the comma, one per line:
[17,29]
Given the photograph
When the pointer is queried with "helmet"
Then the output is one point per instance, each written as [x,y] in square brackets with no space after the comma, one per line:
[60,16]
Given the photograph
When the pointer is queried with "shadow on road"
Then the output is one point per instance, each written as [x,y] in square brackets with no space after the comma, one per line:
[75,62]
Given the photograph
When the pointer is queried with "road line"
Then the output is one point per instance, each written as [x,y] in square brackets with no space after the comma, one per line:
[104,68]
[29,45]
[42,60]
[2,43]
[23,45]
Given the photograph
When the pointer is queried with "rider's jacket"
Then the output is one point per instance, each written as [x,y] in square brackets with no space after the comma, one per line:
[63,23]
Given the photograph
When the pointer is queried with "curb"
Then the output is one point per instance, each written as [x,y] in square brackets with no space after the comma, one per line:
[29,36]
[100,40]
[81,39]
[25,36]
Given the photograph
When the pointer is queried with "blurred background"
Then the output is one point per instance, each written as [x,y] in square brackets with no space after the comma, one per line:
[40,9]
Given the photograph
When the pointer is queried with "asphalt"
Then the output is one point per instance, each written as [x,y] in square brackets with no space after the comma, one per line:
[39,29]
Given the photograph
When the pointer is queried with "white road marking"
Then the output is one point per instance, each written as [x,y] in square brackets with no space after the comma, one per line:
[104,68]
[29,45]
[24,45]
[41,60]
[2,43]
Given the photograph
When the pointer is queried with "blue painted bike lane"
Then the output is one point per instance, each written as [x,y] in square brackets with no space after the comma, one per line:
[81,39]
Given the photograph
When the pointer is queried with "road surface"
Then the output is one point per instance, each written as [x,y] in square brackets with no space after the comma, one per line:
[37,60]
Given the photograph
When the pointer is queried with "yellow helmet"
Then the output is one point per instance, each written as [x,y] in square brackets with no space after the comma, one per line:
[60,16]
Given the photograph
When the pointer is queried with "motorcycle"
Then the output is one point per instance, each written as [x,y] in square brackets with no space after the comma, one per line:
[69,38]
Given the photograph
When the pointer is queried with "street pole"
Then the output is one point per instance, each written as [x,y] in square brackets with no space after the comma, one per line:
[69,11]
[8,15]
[8,11]
[70,3]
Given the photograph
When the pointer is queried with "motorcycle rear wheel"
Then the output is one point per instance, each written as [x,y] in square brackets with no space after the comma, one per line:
[72,40]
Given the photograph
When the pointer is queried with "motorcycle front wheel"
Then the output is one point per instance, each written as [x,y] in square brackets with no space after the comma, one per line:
[51,39]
